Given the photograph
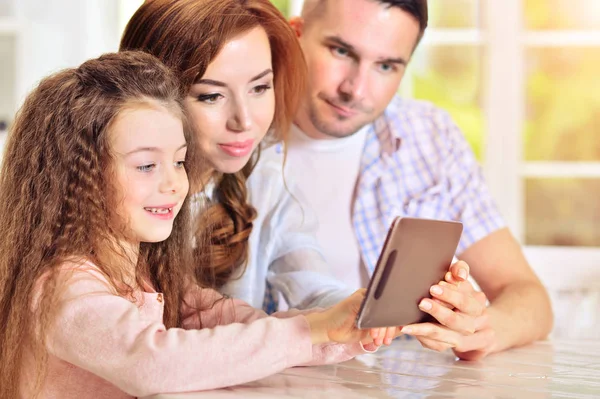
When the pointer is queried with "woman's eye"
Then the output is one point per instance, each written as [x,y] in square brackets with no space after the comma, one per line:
[261,89]
[180,164]
[146,168]
[209,98]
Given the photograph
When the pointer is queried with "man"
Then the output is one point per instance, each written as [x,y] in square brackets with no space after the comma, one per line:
[362,155]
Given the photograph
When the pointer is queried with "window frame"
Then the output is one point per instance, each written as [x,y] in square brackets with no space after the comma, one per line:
[506,170]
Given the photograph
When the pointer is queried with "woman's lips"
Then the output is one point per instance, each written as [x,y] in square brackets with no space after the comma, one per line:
[237,148]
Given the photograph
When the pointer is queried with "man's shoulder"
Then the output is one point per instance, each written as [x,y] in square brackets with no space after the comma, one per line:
[418,121]
[402,109]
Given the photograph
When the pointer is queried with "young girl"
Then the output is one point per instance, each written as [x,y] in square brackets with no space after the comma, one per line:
[97,296]
[242,69]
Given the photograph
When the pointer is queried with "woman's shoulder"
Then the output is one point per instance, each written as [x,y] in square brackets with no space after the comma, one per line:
[275,195]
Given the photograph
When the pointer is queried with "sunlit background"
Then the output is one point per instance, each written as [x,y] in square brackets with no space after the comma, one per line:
[520,77]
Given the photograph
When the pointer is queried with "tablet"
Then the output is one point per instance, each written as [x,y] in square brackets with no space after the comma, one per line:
[416,255]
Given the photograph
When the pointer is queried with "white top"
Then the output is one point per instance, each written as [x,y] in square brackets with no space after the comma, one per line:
[283,247]
[326,171]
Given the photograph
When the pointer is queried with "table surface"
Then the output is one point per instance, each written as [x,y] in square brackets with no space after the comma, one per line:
[548,369]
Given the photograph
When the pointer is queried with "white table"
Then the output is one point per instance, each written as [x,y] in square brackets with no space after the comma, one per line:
[549,369]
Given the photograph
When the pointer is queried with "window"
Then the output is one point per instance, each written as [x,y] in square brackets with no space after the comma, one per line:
[448,67]
[126,9]
[282,5]
[561,132]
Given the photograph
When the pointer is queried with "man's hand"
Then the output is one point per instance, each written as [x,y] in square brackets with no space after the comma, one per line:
[463,319]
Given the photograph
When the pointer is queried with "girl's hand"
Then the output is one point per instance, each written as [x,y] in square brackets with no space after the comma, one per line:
[338,324]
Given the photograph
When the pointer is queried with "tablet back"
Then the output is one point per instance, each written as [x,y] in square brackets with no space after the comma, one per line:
[416,255]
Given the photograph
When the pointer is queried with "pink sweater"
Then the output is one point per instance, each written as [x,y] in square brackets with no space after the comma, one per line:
[105,346]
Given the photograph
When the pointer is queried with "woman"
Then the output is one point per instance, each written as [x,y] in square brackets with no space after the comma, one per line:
[242,71]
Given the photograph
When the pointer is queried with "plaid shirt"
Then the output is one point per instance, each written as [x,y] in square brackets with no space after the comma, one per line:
[416,162]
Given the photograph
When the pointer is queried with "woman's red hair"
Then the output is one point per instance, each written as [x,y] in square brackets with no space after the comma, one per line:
[187,35]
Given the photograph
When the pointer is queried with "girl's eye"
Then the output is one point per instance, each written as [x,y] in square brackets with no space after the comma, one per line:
[209,98]
[146,168]
[261,89]
[180,164]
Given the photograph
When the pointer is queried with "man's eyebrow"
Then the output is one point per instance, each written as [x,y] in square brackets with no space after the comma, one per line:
[399,60]
[342,43]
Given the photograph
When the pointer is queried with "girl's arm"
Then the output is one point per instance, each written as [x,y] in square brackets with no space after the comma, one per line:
[114,339]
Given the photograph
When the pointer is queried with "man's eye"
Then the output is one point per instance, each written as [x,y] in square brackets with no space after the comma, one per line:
[386,67]
[340,51]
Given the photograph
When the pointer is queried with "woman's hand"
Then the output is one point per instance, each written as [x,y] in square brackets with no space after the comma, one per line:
[338,324]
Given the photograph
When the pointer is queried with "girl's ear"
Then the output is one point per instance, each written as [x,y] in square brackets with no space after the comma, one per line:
[297,24]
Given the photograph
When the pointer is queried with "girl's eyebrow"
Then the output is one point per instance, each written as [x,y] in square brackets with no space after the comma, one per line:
[152,149]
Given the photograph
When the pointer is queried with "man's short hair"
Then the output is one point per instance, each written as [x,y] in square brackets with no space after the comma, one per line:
[417,8]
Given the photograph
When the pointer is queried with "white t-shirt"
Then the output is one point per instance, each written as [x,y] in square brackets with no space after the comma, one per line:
[326,171]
